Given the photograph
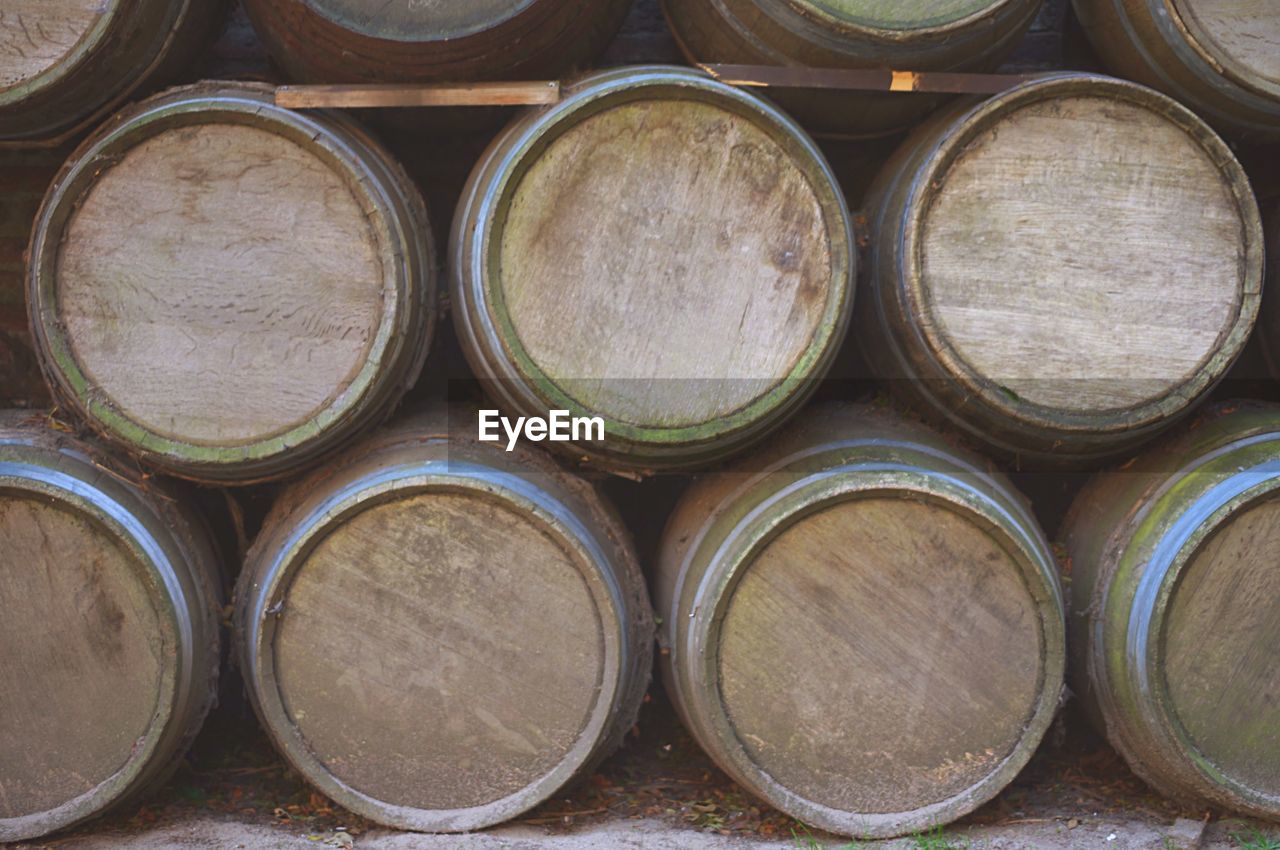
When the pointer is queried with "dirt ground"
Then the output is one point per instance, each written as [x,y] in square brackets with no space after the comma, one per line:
[659,791]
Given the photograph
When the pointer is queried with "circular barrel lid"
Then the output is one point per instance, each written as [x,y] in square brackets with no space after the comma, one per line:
[1240,36]
[876,680]
[662,251]
[437,654]
[1084,253]
[220,284]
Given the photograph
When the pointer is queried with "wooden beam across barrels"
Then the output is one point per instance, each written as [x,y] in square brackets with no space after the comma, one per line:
[1176,609]
[228,289]
[110,630]
[439,634]
[63,62]
[1219,57]
[861,624]
[921,35]
[348,41]
[1061,270]
[661,250]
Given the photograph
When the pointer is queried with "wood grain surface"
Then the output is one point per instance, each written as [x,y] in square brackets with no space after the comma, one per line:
[440,634]
[1221,667]
[1085,254]
[221,284]
[665,262]
[420,657]
[1243,33]
[35,35]
[354,96]
[84,648]
[112,604]
[881,656]
[861,623]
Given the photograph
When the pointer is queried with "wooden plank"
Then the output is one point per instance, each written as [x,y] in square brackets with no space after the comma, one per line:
[934,82]
[393,96]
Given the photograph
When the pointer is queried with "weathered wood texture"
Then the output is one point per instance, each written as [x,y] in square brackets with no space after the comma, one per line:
[1061,270]
[372,96]
[65,64]
[1220,57]
[661,250]
[338,41]
[1175,601]
[439,634]
[966,35]
[110,630]
[227,288]
[862,625]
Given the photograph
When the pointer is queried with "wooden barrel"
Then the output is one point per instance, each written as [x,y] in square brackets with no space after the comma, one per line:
[229,289]
[65,63]
[439,634]
[1061,270]
[1219,57]
[954,35]
[660,250]
[862,625]
[1174,590]
[372,41]
[110,630]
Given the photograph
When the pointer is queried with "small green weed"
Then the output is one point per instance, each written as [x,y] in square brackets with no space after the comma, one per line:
[1255,840]
[936,839]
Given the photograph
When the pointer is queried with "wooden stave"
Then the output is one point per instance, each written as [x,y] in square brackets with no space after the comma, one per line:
[897,352]
[769,32]
[408,331]
[1140,40]
[147,41]
[51,461]
[487,353]
[717,507]
[1121,519]
[544,40]
[436,439]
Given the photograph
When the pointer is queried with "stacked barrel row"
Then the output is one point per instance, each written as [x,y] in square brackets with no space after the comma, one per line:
[861,620]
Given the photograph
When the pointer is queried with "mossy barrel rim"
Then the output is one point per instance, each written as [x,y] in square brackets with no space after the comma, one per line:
[67,474]
[1133,543]
[490,338]
[390,471]
[395,355]
[131,44]
[930,28]
[937,371]
[759,505]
